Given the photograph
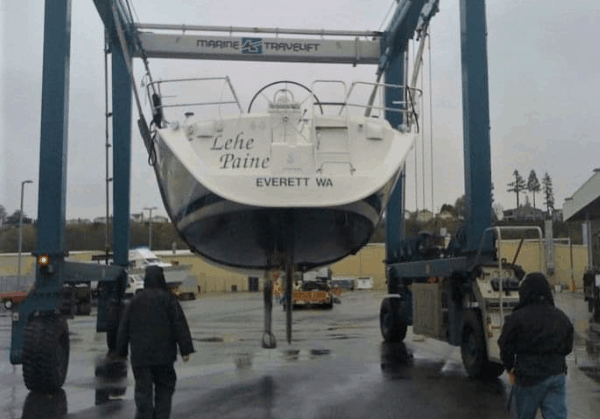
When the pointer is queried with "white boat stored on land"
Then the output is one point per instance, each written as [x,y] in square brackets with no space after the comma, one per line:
[142,257]
[304,177]
[139,259]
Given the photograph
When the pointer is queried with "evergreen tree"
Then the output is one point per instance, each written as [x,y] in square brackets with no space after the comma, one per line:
[3,214]
[449,209]
[533,185]
[460,207]
[518,185]
[548,193]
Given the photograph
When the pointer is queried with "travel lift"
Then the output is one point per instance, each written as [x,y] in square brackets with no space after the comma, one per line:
[40,338]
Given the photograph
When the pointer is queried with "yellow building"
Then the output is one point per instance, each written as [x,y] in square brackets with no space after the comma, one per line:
[570,263]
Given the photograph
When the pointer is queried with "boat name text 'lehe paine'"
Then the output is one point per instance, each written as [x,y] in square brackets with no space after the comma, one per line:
[262,182]
[229,160]
[266,45]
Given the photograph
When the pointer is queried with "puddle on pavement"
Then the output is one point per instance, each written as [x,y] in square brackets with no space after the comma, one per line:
[339,336]
[291,354]
[213,339]
[243,361]
[319,352]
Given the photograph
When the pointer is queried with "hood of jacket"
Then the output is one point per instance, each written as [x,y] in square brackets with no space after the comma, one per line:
[155,278]
[535,289]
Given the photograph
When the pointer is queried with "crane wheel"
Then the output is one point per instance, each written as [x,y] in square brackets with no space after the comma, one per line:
[45,354]
[473,349]
[392,319]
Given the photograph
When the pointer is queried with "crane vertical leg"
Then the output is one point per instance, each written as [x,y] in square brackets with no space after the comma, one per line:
[110,304]
[476,122]
[395,312]
[40,338]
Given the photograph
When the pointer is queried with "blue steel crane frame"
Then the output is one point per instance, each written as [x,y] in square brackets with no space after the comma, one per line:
[53,152]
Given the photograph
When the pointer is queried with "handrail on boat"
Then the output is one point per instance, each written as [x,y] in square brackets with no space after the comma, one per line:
[334,103]
[406,107]
[403,104]
[158,106]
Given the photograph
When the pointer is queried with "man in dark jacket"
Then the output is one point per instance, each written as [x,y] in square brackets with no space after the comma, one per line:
[154,324]
[535,339]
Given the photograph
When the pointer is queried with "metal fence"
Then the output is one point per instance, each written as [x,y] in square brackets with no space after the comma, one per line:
[11,283]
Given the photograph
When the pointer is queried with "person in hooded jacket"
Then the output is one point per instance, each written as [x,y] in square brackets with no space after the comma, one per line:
[534,342]
[154,325]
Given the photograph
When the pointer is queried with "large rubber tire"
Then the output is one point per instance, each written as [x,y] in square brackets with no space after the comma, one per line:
[392,319]
[473,349]
[45,354]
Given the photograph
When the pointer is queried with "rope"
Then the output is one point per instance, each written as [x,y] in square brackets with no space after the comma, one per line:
[423,138]
[386,15]
[152,151]
[107,143]
[430,121]
[416,164]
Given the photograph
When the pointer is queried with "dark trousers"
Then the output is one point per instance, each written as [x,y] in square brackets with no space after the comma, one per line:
[161,379]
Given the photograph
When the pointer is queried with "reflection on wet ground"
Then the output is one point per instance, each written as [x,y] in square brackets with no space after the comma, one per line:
[336,367]
[591,365]
[39,405]
[111,380]
[396,360]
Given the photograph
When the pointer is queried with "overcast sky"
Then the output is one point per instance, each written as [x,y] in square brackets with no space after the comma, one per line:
[543,64]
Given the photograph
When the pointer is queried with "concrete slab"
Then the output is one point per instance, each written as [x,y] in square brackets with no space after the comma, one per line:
[336,367]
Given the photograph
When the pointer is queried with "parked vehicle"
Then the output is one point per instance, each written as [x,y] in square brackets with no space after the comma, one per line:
[10,298]
[312,293]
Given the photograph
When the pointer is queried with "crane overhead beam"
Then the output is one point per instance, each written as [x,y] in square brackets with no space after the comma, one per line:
[254,29]
[251,44]
[258,48]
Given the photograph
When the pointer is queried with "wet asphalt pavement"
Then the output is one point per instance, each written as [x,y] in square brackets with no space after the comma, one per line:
[336,367]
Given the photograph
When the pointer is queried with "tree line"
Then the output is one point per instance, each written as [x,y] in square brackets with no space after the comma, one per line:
[93,237]
[533,186]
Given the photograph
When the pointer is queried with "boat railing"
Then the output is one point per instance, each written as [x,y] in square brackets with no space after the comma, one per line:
[356,98]
[408,107]
[326,87]
[166,94]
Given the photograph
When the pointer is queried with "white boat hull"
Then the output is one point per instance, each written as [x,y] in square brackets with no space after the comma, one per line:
[244,190]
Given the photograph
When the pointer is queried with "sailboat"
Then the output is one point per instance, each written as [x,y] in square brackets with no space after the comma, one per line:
[293,175]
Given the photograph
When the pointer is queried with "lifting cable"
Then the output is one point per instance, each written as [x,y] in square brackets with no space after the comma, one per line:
[423,134]
[387,14]
[418,61]
[416,144]
[107,115]
[430,121]
[142,124]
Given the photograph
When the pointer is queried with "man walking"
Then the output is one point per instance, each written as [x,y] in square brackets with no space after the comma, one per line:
[535,339]
[154,324]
